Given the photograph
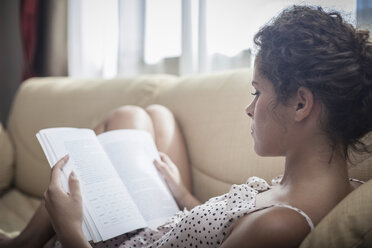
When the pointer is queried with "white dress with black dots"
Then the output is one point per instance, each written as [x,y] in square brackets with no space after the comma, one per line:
[205,225]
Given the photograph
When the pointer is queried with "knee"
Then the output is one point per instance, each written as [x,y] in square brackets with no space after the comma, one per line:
[155,110]
[129,116]
[127,112]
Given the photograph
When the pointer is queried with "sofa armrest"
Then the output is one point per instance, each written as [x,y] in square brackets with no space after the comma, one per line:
[6,160]
[348,225]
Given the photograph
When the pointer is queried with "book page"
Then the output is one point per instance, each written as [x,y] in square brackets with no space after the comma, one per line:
[108,202]
[132,153]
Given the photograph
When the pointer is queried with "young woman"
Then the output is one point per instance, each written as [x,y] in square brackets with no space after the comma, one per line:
[313,99]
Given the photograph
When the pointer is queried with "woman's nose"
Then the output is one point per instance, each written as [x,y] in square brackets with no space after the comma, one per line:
[249,110]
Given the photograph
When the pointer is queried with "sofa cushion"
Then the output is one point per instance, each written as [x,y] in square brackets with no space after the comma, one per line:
[6,160]
[52,102]
[16,210]
[360,165]
[348,225]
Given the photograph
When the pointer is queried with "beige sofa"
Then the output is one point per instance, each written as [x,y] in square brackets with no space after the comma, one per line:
[210,111]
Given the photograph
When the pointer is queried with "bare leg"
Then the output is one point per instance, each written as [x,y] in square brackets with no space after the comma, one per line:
[126,117]
[169,139]
[161,124]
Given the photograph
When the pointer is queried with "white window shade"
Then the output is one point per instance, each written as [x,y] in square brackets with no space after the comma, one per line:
[162,30]
[232,24]
[130,37]
[92,38]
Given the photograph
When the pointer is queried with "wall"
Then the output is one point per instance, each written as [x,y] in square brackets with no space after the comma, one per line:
[10,54]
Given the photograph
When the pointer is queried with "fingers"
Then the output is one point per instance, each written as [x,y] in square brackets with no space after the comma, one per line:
[166,160]
[56,171]
[74,185]
[158,165]
[162,168]
[164,157]
[55,184]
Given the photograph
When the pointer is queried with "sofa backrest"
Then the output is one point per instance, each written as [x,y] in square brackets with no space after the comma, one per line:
[209,108]
[55,102]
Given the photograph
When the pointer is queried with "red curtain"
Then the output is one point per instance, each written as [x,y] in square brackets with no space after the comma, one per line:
[29,35]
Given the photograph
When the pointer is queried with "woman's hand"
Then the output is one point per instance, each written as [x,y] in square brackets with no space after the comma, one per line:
[65,209]
[172,177]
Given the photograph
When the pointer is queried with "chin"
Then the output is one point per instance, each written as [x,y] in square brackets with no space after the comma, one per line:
[261,151]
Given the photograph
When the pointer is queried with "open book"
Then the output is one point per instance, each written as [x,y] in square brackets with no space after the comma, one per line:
[121,189]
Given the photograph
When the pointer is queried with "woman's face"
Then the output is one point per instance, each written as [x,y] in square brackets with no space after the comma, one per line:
[269,118]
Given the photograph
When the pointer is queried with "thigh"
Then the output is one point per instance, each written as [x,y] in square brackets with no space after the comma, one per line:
[169,139]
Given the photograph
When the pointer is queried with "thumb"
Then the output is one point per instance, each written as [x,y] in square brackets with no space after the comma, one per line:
[162,168]
[164,157]
[74,185]
[167,161]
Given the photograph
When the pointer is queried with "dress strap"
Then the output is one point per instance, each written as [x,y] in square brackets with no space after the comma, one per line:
[356,180]
[307,218]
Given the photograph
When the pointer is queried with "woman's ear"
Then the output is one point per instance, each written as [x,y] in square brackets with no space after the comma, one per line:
[304,103]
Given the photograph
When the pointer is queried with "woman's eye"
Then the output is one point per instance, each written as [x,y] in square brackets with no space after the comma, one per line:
[257,93]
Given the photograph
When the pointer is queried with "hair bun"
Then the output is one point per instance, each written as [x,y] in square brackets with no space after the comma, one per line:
[365,48]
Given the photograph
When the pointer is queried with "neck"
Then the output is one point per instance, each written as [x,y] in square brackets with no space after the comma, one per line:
[315,165]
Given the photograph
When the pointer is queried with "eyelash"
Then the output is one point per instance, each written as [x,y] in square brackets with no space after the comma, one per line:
[257,93]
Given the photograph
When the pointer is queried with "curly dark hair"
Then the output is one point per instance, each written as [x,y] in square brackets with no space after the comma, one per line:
[306,46]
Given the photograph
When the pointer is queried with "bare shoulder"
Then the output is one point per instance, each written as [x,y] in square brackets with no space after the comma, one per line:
[272,227]
[355,184]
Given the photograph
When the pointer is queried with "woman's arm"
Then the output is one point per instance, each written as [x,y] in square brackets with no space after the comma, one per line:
[172,177]
[272,227]
[75,240]
[65,209]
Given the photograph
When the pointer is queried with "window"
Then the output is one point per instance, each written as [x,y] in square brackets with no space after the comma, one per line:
[175,36]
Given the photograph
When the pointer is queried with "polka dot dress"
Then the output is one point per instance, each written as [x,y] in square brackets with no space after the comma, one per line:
[203,226]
